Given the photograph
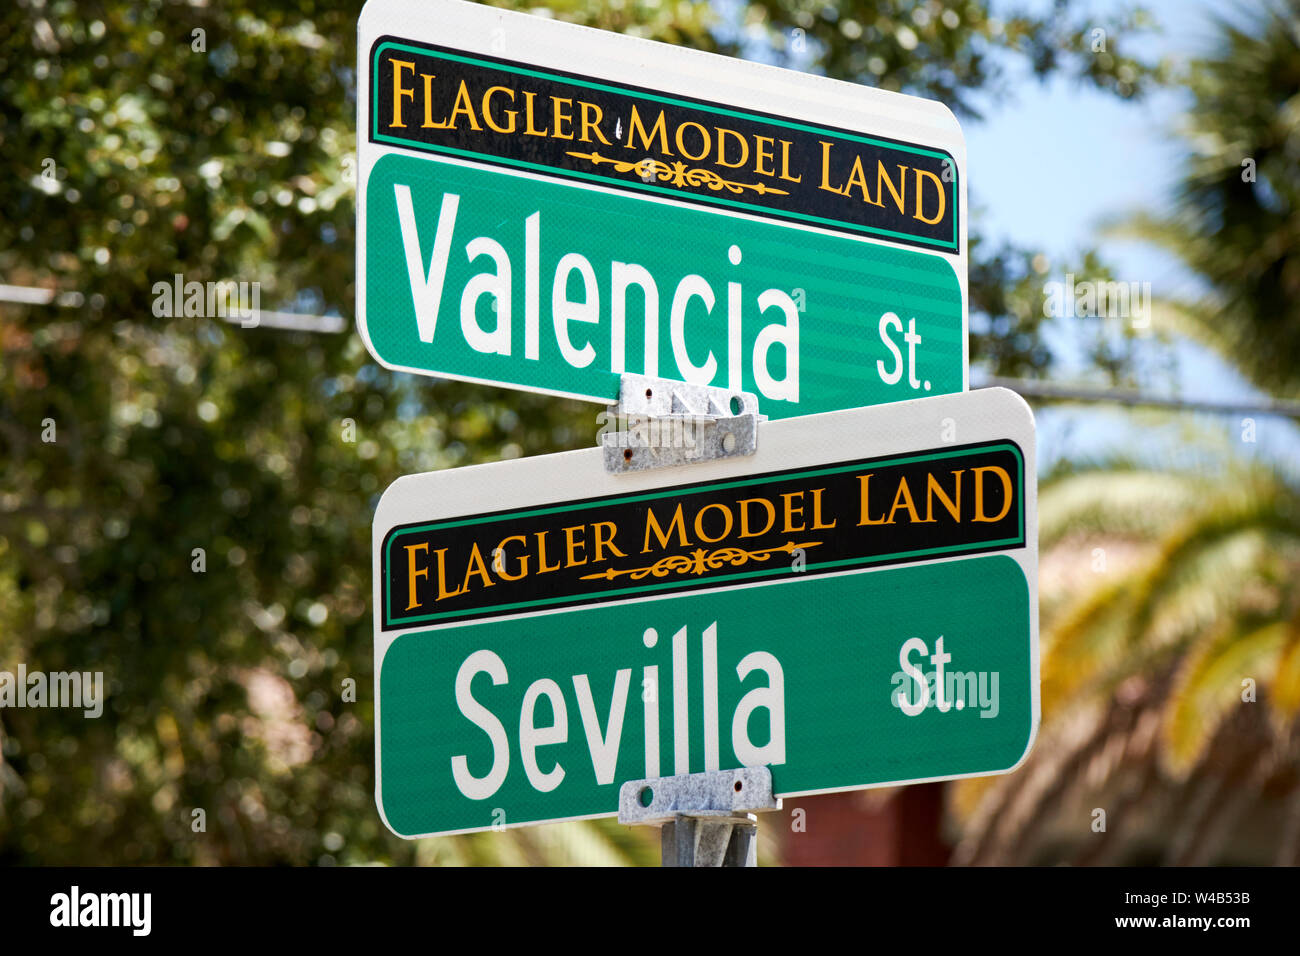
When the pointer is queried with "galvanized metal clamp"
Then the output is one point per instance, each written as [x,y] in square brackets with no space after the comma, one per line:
[706,819]
[674,423]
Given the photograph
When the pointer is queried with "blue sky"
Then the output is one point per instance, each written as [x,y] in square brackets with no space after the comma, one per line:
[1084,158]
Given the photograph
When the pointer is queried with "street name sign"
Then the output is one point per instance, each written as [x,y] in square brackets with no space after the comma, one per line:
[855,605]
[546,206]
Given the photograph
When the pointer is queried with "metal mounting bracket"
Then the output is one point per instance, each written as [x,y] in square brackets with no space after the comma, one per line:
[673,423]
[707,819]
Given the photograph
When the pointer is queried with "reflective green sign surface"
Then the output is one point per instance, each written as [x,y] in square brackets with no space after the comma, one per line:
[542,718]
[515,279]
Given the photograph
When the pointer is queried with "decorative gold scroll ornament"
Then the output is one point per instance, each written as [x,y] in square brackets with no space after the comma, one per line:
[699,561]
[678,174]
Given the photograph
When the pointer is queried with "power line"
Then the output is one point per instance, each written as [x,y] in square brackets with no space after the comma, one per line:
[1034,388]
[292,321]
[1030,388]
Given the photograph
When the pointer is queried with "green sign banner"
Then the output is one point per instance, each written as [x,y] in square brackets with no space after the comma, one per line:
[865,615]
[484,276]
[544,717]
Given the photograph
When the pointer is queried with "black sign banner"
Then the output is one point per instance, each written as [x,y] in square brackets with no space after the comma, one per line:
[958,500]
[563,124]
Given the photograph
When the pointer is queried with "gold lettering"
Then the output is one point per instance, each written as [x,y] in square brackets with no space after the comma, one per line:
[659,129]
[706,142]
[428,104]
[979,493]
[744,517]
[487,109]
[603,542]
[442,576]
[699,522]
[652,524]
[529,128]
[722,148]
[412,573]
[572,547]
[943,199]
[476,567]
[826,168]
[561,118]
[499,564]
[541,555]
[900,198]
[763,154]
[858,177]
[953,505]
[399,91]
[465,107]
[590,125]
[791,511]
[817,511]
[865,482]
[903,499]
[785,163]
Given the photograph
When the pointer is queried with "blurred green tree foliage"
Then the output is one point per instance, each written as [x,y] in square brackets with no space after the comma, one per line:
[214,139]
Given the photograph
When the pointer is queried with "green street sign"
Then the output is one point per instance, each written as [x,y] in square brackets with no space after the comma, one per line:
[547,207]
[853,606]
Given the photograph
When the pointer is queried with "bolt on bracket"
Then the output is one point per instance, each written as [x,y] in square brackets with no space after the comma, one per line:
[707,819]
[675,423]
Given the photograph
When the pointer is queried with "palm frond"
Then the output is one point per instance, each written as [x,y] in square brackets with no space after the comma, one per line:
[1209,686]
